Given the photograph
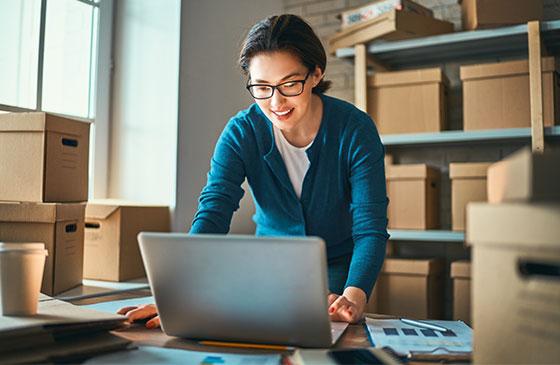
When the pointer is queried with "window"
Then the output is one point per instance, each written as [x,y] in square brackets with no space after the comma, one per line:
[51,62]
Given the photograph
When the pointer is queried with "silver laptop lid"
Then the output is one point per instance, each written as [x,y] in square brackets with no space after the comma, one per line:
[240,288]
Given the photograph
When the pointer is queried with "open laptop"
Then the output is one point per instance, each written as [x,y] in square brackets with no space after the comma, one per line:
[269,290]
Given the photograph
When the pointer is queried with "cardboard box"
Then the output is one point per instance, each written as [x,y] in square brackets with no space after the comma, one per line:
[60,227]
[515,282]
[409,288]
[480,14]
[524,176]
[496,95]
[378,8]
[44,158]
[111,246]
[468,184]
[411,101]
[413,192]
[393,25]
[461,275]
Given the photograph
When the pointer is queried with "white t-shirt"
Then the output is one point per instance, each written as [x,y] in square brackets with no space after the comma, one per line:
[295,159]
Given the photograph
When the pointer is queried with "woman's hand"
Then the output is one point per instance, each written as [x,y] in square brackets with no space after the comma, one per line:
[142,311]
[347,307]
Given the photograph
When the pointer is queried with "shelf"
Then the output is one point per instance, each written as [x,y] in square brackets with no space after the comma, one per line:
[430,235]
[440,138]
[460,46]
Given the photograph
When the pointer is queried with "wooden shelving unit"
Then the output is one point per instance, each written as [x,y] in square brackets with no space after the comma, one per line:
[532,40]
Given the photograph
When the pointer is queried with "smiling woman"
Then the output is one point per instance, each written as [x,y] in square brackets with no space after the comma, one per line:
[315,164]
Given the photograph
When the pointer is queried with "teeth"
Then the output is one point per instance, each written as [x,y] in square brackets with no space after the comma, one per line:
[283,113]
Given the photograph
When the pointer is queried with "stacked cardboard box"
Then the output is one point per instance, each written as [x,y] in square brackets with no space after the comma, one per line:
[516,262]
[43,187]
[496,95]
[468,184]
[413,192]
[111,248]
[480,14]
[411,101]
[401,22]
[409,288]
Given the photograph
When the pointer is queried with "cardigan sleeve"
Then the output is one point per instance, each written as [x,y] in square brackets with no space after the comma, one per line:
[220,197]
[368,206]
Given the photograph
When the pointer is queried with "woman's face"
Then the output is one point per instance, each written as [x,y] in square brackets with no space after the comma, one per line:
[288,113]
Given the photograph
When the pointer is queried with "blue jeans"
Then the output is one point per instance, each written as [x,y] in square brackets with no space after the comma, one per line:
[338,273]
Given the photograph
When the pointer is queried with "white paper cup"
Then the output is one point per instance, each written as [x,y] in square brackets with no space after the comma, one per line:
[21,275]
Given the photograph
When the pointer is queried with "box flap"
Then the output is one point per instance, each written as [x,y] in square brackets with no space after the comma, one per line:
[459,170]
[534,225]
[461,269]
[39,212]
[412,171]
[15,122]
[408,77]
[103,208]
[412,267]
[100,211]
[500,69]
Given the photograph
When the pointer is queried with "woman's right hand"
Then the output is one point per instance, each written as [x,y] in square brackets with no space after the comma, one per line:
[142,311]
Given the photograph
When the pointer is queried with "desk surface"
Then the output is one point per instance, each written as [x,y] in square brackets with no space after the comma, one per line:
[354,336]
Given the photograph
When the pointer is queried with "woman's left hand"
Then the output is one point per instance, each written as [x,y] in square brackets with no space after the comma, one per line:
[347,307]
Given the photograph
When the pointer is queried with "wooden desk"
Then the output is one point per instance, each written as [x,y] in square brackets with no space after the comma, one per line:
[354,336]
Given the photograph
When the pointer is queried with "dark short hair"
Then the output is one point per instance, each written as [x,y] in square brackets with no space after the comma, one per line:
[286,32]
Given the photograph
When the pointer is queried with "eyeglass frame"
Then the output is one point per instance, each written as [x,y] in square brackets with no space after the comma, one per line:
[276,87]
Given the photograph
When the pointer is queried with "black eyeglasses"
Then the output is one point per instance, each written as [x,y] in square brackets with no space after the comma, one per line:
[289,88]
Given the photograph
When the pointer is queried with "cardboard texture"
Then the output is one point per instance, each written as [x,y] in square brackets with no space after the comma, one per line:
[413,192]
[480,14]
[461,275]
[60,227]
[379,7]
[412,101]
[409,288]
[111,246]
[515,282]
[393,25]
[468,184]
[496,95]
[44,158]
[524,176]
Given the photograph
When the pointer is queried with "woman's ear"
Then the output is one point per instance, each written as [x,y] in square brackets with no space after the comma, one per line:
[317,76]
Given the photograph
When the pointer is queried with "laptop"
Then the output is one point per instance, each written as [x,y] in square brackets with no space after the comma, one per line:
[267,290]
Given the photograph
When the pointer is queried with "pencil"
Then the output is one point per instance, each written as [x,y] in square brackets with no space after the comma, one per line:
[247,345]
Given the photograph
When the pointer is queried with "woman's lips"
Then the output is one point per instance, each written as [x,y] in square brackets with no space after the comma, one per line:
[282,114]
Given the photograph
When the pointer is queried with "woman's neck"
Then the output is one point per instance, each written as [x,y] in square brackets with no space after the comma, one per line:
[303,136]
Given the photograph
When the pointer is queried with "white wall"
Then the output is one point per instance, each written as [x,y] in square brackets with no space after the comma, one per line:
[143,150]
[211,90]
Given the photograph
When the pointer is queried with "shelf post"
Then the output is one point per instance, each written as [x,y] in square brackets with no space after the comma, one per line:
[360,77]
[535,86]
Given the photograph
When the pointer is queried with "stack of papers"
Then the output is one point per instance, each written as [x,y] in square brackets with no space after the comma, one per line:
[413,341]
[60,332]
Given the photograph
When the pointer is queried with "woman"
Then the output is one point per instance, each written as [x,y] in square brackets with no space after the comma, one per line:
[315,164]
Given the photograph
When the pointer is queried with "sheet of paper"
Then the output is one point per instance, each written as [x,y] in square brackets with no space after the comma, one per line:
[404,339]
[114,306]
[161,355]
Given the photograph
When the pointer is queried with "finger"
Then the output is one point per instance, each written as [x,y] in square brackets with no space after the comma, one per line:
[141,313]
[340,302]
[153,323]
[124,310]
[331,298]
